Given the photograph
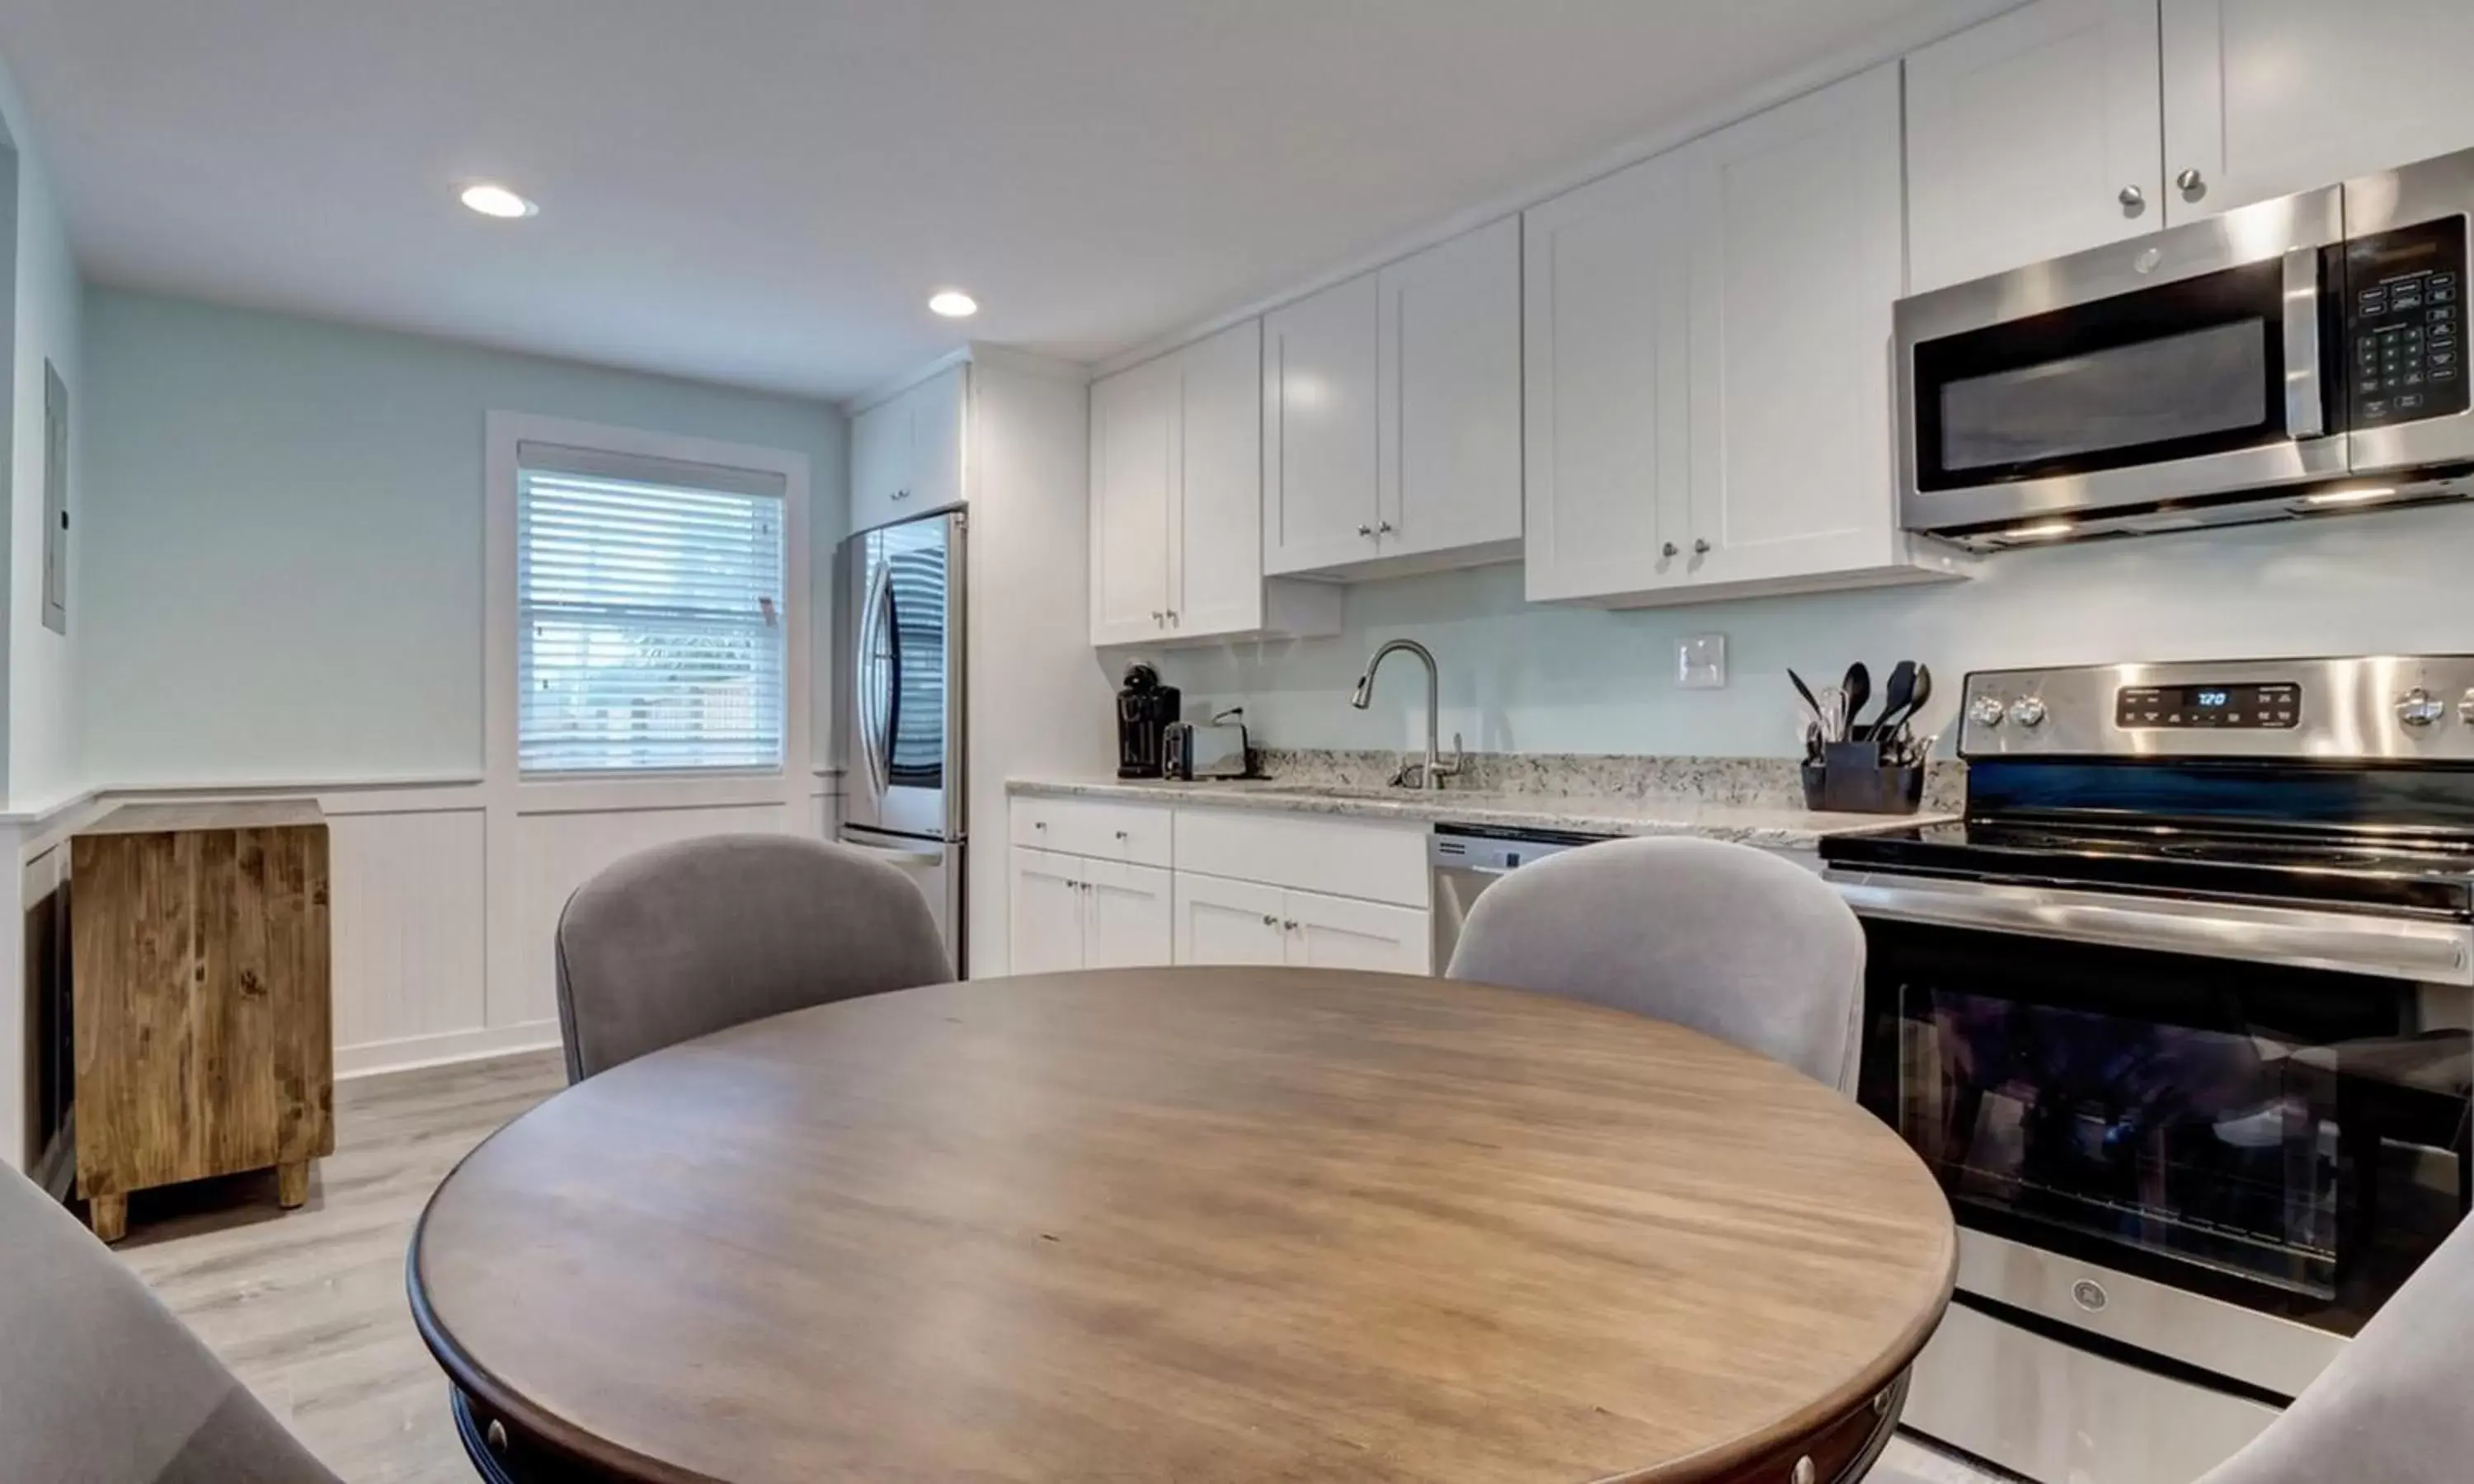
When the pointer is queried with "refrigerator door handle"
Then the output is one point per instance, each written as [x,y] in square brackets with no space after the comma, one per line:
[871,716]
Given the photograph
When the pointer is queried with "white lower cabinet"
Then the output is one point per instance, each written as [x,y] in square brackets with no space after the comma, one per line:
[1221,921]
[1075,910]
[1070,912]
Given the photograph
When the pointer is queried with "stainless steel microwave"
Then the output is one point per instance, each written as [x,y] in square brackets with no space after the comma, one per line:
[2296,357]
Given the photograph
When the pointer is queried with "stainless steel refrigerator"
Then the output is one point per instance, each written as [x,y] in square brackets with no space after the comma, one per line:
[900,708]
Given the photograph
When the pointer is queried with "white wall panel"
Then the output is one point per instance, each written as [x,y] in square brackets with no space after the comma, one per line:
[410,901]
[555,853]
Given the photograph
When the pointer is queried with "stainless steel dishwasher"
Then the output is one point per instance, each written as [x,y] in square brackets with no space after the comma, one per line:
[1465,859]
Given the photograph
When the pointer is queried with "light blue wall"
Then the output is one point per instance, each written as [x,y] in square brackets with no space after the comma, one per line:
[1518,678]
[43,692]
[283,532]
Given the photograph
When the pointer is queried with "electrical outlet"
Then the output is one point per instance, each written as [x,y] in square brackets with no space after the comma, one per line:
[1701,661]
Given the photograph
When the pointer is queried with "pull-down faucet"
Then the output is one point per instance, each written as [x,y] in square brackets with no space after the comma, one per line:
[1432,772]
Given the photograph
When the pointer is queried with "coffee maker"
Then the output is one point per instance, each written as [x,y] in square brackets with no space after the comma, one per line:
[1145,710]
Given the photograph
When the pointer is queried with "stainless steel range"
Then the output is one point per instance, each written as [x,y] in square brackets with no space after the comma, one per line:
[2178,1014]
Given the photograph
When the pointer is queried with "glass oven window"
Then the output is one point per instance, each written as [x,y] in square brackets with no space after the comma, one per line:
[2294,1140]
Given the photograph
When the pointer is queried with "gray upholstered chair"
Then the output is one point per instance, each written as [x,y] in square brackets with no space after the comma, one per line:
[1726,938]
[100,1385]
[691,937]
[2398,1405]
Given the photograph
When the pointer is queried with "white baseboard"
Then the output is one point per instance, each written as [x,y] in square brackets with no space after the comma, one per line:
[416,1051]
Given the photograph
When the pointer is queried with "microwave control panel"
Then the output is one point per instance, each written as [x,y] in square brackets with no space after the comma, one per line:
[2405,323]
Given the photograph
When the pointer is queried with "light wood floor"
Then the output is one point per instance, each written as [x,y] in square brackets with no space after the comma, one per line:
[309,1307]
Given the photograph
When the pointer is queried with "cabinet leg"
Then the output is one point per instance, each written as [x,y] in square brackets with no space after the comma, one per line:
[108,1217]
[292,1183]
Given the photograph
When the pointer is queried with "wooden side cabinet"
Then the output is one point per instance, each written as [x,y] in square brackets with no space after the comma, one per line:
[203,1017]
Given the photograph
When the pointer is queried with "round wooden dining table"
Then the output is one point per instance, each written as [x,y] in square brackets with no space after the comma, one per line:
[1193,1225]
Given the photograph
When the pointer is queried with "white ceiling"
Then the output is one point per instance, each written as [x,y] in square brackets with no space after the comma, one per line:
[763,191]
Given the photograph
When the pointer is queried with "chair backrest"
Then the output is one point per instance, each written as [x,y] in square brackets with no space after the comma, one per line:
[688,938]
[100,1385]
[1723,938]
[2397,1407]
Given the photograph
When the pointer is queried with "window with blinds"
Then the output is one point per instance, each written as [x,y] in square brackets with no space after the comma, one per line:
[653,633]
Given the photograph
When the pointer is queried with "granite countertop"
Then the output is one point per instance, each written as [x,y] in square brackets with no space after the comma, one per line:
[1751,823]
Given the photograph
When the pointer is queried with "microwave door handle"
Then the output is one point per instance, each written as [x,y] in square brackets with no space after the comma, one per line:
[2306,412]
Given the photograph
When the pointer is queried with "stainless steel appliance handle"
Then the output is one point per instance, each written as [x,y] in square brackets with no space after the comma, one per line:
[871,750]
[2389,948]
[894,857]
[2305,407]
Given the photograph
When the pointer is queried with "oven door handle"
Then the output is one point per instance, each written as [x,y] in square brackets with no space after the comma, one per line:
[2306,412]
[2389,948]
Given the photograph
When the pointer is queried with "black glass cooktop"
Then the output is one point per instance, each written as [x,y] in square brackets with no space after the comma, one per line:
[2369,867]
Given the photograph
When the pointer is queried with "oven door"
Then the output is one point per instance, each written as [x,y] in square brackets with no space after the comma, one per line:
[2252,1126]
[2158,370]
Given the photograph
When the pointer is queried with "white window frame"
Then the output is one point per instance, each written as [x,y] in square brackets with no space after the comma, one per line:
[589,792]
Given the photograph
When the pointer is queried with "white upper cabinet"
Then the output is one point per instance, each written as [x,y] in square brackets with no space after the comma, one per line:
[2266,97]
[1176,503]
[1134,481]
[1709,364]
[1607,338]
[1448,410]
[1215,524]
[1392,415]
[1796,260]
[906,451]
[1320,375]
[2038,133]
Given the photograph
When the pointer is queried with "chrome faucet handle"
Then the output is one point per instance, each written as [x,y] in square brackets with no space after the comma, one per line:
[1460,758]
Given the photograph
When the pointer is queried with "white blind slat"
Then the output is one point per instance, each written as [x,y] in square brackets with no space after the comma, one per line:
[651,620]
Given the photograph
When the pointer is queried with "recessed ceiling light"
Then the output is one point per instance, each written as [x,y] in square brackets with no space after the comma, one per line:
[490,199]
[952,304]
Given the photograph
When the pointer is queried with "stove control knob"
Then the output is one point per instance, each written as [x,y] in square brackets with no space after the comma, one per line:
[2465,708]
[2027,711]
[2420,707]
[1985,710]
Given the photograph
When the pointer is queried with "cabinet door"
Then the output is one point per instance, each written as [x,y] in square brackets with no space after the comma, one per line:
[1607,359]
[1229,921]
[939,407]
[1448,415]
[2266,97]
[1216,522]
[1046,909]
[1335,932]
[1796,260]
[2032,136]
[880,461]
[1320,381]
[1127,919]
[1133,420]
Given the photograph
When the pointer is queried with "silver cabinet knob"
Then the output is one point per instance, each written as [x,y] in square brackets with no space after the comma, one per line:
[1039,823]
[2420,707]
[1667,550]
[1383,528]
[1121,834]
[2133,201]
[1291,924]
[1700,548]
[496,1436]
[1172,618]
[2191,184]
[1986,710]
[2027,711]
[1270,920]
[1365,531]
[1158,618]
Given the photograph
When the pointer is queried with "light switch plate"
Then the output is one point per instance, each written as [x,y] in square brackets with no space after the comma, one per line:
[1701,661]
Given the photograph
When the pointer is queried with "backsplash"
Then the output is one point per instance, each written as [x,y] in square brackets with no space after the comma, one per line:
[1767,781]
[1518,678]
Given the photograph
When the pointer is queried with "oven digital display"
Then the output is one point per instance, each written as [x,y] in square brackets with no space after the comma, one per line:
[2274,705]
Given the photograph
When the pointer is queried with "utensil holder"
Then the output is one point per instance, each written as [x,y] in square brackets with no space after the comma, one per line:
[1851,780]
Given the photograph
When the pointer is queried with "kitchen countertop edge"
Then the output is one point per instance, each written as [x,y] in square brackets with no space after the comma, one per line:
[1763,824]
